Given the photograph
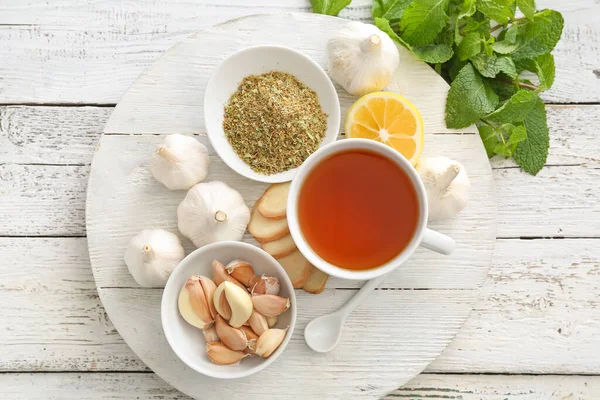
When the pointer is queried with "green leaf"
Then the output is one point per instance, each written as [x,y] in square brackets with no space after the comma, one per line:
[423,20]
[434,53]
[506,65]
[469,46]
[517,135]
[514,109]
[540,35]
[391,10]
[329,7]
[498,10]
[545,70]
[467,8]
[511,33]
[489,138]
[477,23]
[469,99]
[384,25]
[531,154]
[504,90]
[504,47]
[527,7]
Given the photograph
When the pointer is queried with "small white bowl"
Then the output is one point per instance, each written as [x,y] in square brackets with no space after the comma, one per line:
[187,341]
[254,61]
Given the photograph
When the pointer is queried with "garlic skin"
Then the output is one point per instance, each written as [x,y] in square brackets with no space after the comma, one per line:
[362,58]
[447,186]
[151,256]
[212,212]
[180,162]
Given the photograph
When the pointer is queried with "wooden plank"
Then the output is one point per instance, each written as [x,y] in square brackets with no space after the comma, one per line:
[106,45]
[52,318]
[42,200]
[130,386]
[534,289]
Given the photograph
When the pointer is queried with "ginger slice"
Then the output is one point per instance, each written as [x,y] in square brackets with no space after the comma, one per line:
[316,281]
[265,229]
[281,247]
[272,204]
[297,267]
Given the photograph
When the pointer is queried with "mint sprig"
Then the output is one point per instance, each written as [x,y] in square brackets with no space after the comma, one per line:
[486,49]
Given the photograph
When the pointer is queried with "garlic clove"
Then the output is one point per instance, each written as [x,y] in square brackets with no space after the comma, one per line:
[151,256]
[180,162]
[209,288]
[271,321]
[270,305]
[210,334]
[233,338]
[269,341]
[220,354]
[240,302]
[212,212]
[250,334]
[265,285]
[241,271]
[220,302]
[258,322]
[251,346]
[193,305]
[220,275]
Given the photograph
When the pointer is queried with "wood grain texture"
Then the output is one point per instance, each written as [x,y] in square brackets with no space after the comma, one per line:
[130,386]
[406,329]
[105,45]
[533,289]
[69,135]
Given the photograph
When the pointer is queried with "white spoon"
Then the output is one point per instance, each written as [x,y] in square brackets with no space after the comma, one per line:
[322,334]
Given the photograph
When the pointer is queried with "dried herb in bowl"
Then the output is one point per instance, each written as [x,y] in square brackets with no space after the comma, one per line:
[274,122]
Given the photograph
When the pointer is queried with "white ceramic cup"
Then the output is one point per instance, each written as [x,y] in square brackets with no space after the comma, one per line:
[423,236]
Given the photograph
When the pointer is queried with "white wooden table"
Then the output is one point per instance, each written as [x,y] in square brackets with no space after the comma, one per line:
[535,333]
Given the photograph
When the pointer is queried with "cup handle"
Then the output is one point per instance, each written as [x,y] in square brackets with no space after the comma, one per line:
[438,242]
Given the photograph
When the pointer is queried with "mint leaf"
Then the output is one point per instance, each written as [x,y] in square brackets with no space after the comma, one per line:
[329,7]
[531,154]
[384,25]
[506,65]
[540,35]
[527,7]
[511,33]
[467,9]
[504,47]
[434,53]
[391,10]
[423,20]
[498,10]
[469,46]
[489,138]
[469,99]
[477,23]
[514,109]
[545,70]
[504,90]
[517,135]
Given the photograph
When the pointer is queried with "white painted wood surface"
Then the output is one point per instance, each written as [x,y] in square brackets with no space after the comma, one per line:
[392,337]
[76,53]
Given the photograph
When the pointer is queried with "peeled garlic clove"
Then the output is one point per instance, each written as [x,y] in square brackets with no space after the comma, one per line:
[220,302]
[209,290]
[220,275]
[241,271]
[251,348]
[269,341]
[265,285]
[193,305]
[271,321]
[233,338]
[220,354]
[270,305]
[250,334]
[258,322]
[240,302]
[210,334]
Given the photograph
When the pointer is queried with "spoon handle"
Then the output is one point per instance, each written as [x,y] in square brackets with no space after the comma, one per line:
[359,297]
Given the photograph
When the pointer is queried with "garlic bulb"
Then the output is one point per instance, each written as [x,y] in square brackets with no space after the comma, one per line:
[212,212]
[151,256]
[180,162]
[447,186]
[362,58]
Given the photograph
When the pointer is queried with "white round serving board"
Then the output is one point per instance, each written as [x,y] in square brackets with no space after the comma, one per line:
[388,340]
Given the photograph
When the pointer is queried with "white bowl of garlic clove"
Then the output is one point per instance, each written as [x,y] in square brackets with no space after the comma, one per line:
[188,341]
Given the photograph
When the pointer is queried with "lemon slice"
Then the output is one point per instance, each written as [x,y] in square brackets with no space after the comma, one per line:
[387,118]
